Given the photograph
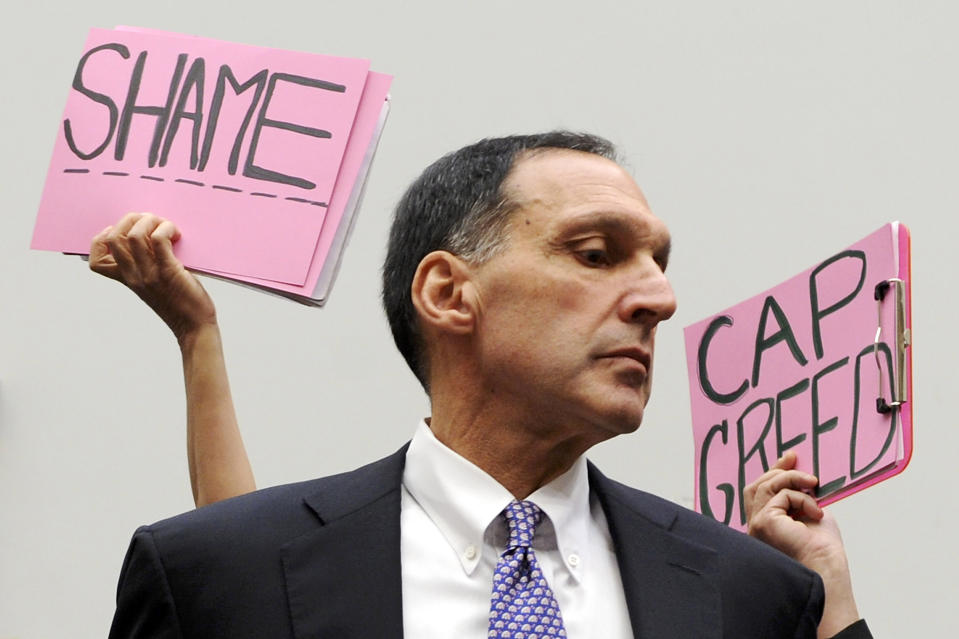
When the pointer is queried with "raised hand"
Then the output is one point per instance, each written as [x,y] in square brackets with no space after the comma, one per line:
[138,251]
[781,513]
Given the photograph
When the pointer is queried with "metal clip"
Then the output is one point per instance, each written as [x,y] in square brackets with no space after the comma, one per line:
[903,338]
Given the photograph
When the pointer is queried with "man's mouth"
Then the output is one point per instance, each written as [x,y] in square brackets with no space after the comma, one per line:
[633,353]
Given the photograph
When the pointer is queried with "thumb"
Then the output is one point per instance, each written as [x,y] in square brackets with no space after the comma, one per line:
[101,260]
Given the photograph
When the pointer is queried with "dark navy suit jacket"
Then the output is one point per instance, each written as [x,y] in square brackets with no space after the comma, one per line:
[322,559]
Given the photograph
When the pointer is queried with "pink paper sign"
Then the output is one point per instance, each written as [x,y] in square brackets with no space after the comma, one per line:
[240,146]
[795,368]
[371,105]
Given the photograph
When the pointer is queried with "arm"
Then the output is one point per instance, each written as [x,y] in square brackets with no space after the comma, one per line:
[138,251]
[782,515]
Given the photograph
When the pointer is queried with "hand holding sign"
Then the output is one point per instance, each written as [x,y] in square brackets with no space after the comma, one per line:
[259,155]
[782,514]
[138,252]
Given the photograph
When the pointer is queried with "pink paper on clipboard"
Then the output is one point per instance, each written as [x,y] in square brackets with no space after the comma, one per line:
[821,365]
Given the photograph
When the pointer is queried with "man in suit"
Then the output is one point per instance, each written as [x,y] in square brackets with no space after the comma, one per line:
[524,282]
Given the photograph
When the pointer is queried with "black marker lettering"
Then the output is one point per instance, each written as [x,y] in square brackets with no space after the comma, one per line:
[162,113]
[226,75]
[193,83]
[758,447]
[785,333]
[817,313]
[819,428]
[728,491]
[702,356]
[792,391]
[99,98]
[868,352]
[259,173]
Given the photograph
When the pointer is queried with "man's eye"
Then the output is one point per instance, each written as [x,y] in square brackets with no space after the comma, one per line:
[594,257]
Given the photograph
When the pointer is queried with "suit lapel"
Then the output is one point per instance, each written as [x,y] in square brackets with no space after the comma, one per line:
[668,581]
[344,578]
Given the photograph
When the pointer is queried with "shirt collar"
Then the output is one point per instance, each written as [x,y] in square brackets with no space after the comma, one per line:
[463,501]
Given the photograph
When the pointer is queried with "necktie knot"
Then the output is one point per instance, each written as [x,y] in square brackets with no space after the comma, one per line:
[522,605]
[522,517]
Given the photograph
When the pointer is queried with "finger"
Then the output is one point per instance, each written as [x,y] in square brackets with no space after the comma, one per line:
[163,239]
[101,261]
[126,223]
[141,245]
[756,494]
[749,492]
[751,497]
[794,479]
[787,461]
[797,504]
[782,510]
[119,245]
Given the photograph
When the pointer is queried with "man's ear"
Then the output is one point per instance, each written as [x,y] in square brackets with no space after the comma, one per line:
[443,293]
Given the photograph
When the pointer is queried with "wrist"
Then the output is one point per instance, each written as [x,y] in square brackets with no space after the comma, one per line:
[840,610]
[195,336]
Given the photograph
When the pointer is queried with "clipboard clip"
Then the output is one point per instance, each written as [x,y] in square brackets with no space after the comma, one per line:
[903,337]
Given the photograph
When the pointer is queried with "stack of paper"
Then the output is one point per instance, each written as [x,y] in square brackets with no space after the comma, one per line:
[258,155]
[819,365]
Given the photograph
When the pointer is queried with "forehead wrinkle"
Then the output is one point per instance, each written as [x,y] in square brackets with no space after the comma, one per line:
[607,221]
[529,180]
[643,232]
[550,191]
[609,204]
[600,194]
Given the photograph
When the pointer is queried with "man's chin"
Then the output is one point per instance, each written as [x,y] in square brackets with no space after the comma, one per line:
[624,419]
[629,426]
[631,416]
[611,410]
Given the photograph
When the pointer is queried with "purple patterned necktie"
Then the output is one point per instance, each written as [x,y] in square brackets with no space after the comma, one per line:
[522,606]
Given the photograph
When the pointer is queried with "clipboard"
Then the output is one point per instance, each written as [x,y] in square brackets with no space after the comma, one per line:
[901,385]
[820,364]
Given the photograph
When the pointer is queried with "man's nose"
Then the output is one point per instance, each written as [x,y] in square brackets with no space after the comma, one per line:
[649,298]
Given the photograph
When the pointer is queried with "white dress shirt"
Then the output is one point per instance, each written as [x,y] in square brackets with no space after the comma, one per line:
[453,532]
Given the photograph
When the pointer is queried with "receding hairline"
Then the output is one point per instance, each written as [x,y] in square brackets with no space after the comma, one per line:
[512,195]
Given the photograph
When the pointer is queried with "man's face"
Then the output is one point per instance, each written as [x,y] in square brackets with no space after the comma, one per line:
[568,309]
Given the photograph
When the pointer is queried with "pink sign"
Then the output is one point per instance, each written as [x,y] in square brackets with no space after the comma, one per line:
[798,368]
[240,146]
[345,194]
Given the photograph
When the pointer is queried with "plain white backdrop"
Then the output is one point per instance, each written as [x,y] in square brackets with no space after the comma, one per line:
[767,134]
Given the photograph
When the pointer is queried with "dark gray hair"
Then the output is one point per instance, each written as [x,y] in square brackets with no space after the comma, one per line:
[458,205]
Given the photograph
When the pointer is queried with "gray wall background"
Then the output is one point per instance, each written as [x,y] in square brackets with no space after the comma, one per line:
[767,134]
